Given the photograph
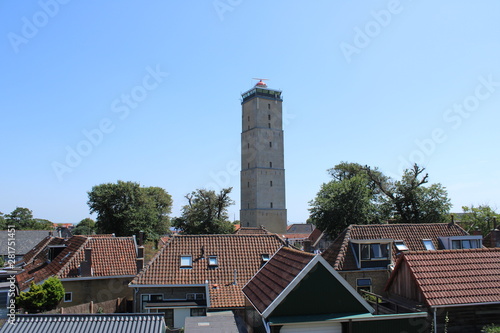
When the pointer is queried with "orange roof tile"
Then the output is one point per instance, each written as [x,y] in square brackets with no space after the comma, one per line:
[275,276]
[340,254]
[238,256]
[111,256]
[452,277]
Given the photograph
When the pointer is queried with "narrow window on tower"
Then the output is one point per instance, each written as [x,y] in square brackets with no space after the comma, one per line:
[269,106]
[248,145]
[271,205]
[268,117]
[248,126]
[248,205]
[248,118]
[270,164]
[269,125]
[248,184]
[271,183]
[248,166]
[270,144]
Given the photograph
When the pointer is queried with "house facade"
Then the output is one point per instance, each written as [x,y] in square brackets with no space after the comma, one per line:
[365,255]
[459,288]
[298,292]
[195,274]
[90,268]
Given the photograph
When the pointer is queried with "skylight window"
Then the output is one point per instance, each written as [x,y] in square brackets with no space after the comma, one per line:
[265,257]
[429,246]
[212,261]
[186,261]
[400,245]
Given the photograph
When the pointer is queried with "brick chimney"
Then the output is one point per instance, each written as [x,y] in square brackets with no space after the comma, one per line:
[140,241]
[140,258]
[86,265]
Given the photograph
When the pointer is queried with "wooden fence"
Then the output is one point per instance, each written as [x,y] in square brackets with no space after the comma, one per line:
[118,305]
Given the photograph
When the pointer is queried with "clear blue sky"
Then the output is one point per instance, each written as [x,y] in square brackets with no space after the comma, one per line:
[149,91]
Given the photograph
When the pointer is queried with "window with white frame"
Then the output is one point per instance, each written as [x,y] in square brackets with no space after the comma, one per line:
[372,253]
[465,244]
[364,284]
[213,261]
[400,245]
[68,297]
[186,261]
[150,298]
[462,242]
[195,296]
[429,245]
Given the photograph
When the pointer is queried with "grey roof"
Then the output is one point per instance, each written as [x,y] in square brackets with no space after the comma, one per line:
[24,240]
[215,322]
[84,323]
[300,228]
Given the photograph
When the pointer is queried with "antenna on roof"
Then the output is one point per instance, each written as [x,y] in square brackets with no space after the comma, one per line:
[261,82]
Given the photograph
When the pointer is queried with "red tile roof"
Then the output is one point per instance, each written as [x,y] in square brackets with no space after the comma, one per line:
[452,277]
[235,253]
[275,276]
[111,256]
[340,254]
[315,236]
[36,250]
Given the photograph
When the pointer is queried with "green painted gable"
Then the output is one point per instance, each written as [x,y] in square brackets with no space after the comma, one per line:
[319,292]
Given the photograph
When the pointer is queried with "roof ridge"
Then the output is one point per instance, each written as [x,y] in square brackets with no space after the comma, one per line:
[307,254]
[482,249]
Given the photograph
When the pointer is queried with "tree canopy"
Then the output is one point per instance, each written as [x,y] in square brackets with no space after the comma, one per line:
[87,226]
[22,219]
[480,218]
[205,213]
[364,195]
[41,297]
[125,208]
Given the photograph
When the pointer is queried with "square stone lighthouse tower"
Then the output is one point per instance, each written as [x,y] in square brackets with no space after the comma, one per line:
[262,160]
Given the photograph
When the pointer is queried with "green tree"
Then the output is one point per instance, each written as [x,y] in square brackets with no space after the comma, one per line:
[340,203]
[41,297]
[363,195]
[409,200]
[2,261]
[125,208]
[206,213]
[479,218]
[87,226]
[21,218]
[3,222]
[42,224]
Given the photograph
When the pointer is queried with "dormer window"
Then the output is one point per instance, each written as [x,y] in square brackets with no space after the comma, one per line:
[212,261]
[429,245]
[462,242]
[186,261]
[400,245]
[465,244]
[372,253]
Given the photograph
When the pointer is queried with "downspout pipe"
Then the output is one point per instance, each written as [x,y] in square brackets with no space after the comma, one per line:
[435,321]
[136,290]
